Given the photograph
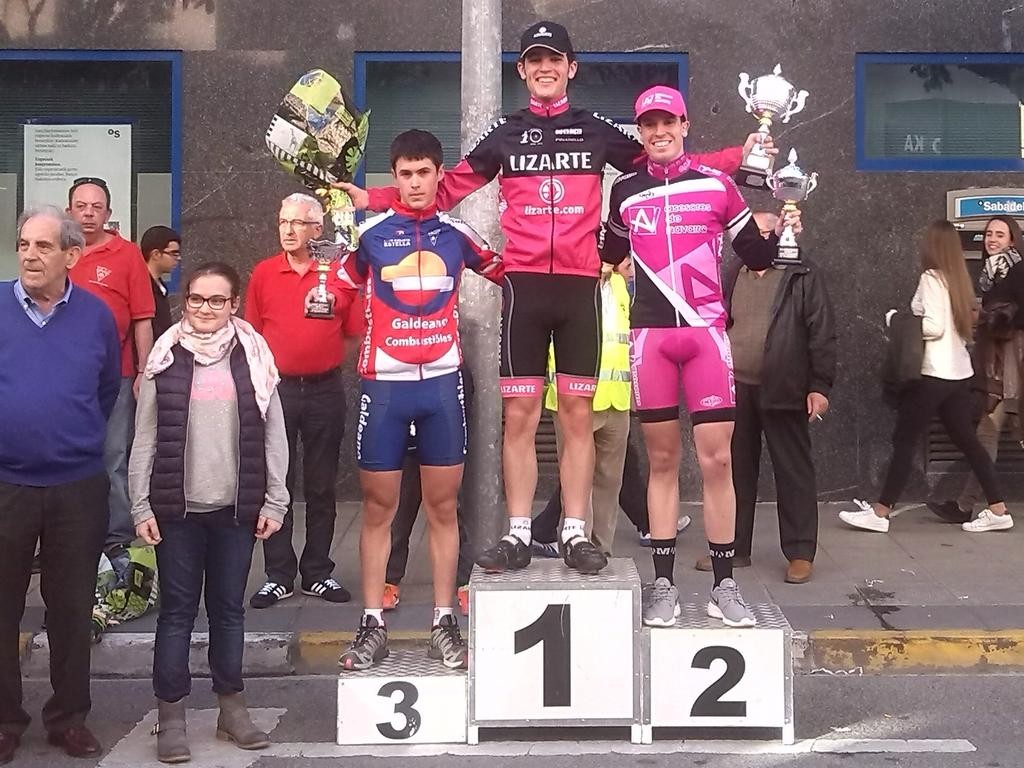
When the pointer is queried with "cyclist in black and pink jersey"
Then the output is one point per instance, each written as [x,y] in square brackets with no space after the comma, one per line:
[549,159]
[671,214]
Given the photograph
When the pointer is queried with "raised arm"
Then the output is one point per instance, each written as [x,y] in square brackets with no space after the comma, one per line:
[614,244]
[477,254]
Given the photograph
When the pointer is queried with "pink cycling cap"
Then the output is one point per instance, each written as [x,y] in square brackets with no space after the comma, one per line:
[661,97]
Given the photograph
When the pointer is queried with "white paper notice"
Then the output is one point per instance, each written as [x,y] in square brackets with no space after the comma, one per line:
[56,155]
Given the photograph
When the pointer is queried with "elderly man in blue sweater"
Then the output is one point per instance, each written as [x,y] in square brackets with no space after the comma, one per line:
[59,377]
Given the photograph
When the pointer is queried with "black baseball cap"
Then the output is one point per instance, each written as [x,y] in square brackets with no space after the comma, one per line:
[546,34]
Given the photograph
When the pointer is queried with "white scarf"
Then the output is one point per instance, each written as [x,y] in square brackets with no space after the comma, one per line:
[209,348]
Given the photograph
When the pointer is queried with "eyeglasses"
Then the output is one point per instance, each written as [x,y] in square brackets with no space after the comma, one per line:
[294,223]
[175,254]
[195,301]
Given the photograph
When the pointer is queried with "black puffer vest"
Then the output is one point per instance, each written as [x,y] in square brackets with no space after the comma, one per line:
[173,392]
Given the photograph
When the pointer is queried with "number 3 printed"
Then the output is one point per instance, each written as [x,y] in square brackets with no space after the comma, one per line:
[403,707]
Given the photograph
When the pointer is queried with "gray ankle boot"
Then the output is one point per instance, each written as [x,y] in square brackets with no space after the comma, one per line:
[171,738]
[234,724]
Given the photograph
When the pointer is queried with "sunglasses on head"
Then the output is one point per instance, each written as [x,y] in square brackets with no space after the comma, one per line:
[89,180]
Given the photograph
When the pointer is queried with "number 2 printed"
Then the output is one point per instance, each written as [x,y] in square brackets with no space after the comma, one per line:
[709,703]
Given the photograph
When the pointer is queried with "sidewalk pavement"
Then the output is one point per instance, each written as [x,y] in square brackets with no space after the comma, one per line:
[924,597]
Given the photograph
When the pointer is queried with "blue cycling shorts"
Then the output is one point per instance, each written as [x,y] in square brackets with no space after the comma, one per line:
[387,409]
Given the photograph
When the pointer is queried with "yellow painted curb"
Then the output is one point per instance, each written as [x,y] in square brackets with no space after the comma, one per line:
[917,650]
[319,651]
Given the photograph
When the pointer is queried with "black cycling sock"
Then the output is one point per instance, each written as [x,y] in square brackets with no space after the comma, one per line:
[721,560]
[663,551]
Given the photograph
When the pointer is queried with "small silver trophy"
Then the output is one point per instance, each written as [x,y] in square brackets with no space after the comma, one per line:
[324,252]
[766,97]
[790,185]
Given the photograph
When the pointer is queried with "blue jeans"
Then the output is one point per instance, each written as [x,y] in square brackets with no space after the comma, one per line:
[120,429]
[214,546]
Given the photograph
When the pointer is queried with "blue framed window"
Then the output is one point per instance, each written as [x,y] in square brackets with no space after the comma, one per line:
[940,111]
[422,89]
[142,89]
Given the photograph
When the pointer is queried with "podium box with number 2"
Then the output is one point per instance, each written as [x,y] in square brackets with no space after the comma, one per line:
[550,646]
[705,675]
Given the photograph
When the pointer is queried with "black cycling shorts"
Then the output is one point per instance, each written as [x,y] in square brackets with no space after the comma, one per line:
[539,308]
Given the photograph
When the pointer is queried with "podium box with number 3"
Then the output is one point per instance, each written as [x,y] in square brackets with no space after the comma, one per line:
[550,646]
[408,699]
[703,674]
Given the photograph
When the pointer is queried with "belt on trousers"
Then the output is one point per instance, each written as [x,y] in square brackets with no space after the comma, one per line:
[311,378]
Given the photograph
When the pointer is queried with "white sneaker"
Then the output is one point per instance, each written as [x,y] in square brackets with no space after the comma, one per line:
[864,517]
[988,520]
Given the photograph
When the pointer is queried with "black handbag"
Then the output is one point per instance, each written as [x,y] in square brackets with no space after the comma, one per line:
[904,354]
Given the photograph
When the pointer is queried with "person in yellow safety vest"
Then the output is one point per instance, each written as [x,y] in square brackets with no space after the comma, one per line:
[611,410]
[614,393]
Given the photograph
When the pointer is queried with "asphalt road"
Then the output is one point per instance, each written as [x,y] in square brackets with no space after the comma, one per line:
[944,720]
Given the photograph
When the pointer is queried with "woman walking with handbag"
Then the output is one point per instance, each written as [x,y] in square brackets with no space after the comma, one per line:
[944,301]
[206,479]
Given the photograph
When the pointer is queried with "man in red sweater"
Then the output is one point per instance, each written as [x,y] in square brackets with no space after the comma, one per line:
[309,353]
[113,269]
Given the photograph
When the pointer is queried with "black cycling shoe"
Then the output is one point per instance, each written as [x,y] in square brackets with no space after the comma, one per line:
[949,511]
[505,556]
[583,556]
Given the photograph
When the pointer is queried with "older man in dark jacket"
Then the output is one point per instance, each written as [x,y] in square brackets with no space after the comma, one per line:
[783,338]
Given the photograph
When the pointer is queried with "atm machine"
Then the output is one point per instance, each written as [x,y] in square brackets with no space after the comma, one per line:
[970,209]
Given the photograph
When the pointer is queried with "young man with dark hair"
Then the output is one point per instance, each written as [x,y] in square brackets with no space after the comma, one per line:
[549,159]
[411,259]
[161,248]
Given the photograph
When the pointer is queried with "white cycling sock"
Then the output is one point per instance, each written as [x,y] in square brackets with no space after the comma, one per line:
[572,528]
[519,527]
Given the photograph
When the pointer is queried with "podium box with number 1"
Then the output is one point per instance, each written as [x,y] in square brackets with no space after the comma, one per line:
[550,646]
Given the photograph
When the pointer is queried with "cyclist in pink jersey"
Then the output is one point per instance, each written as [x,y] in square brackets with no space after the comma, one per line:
[671,213]
[549,159]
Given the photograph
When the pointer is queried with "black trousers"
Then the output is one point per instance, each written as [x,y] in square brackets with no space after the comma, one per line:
[409,500]
[917,405]
[789,444]
[632,500]
[69,522]
[314,413]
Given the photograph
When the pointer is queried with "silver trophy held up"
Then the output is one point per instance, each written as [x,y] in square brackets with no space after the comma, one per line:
[766,97]
[324,252]
[790,185]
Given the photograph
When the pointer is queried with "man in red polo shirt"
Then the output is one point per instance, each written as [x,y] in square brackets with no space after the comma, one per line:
[309,353]
[113,269]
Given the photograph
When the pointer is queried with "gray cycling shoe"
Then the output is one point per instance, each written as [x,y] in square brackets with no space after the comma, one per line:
[369,647]
[727,604]
[661,604]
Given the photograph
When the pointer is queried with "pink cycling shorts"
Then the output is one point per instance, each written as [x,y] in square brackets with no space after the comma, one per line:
[696,361]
